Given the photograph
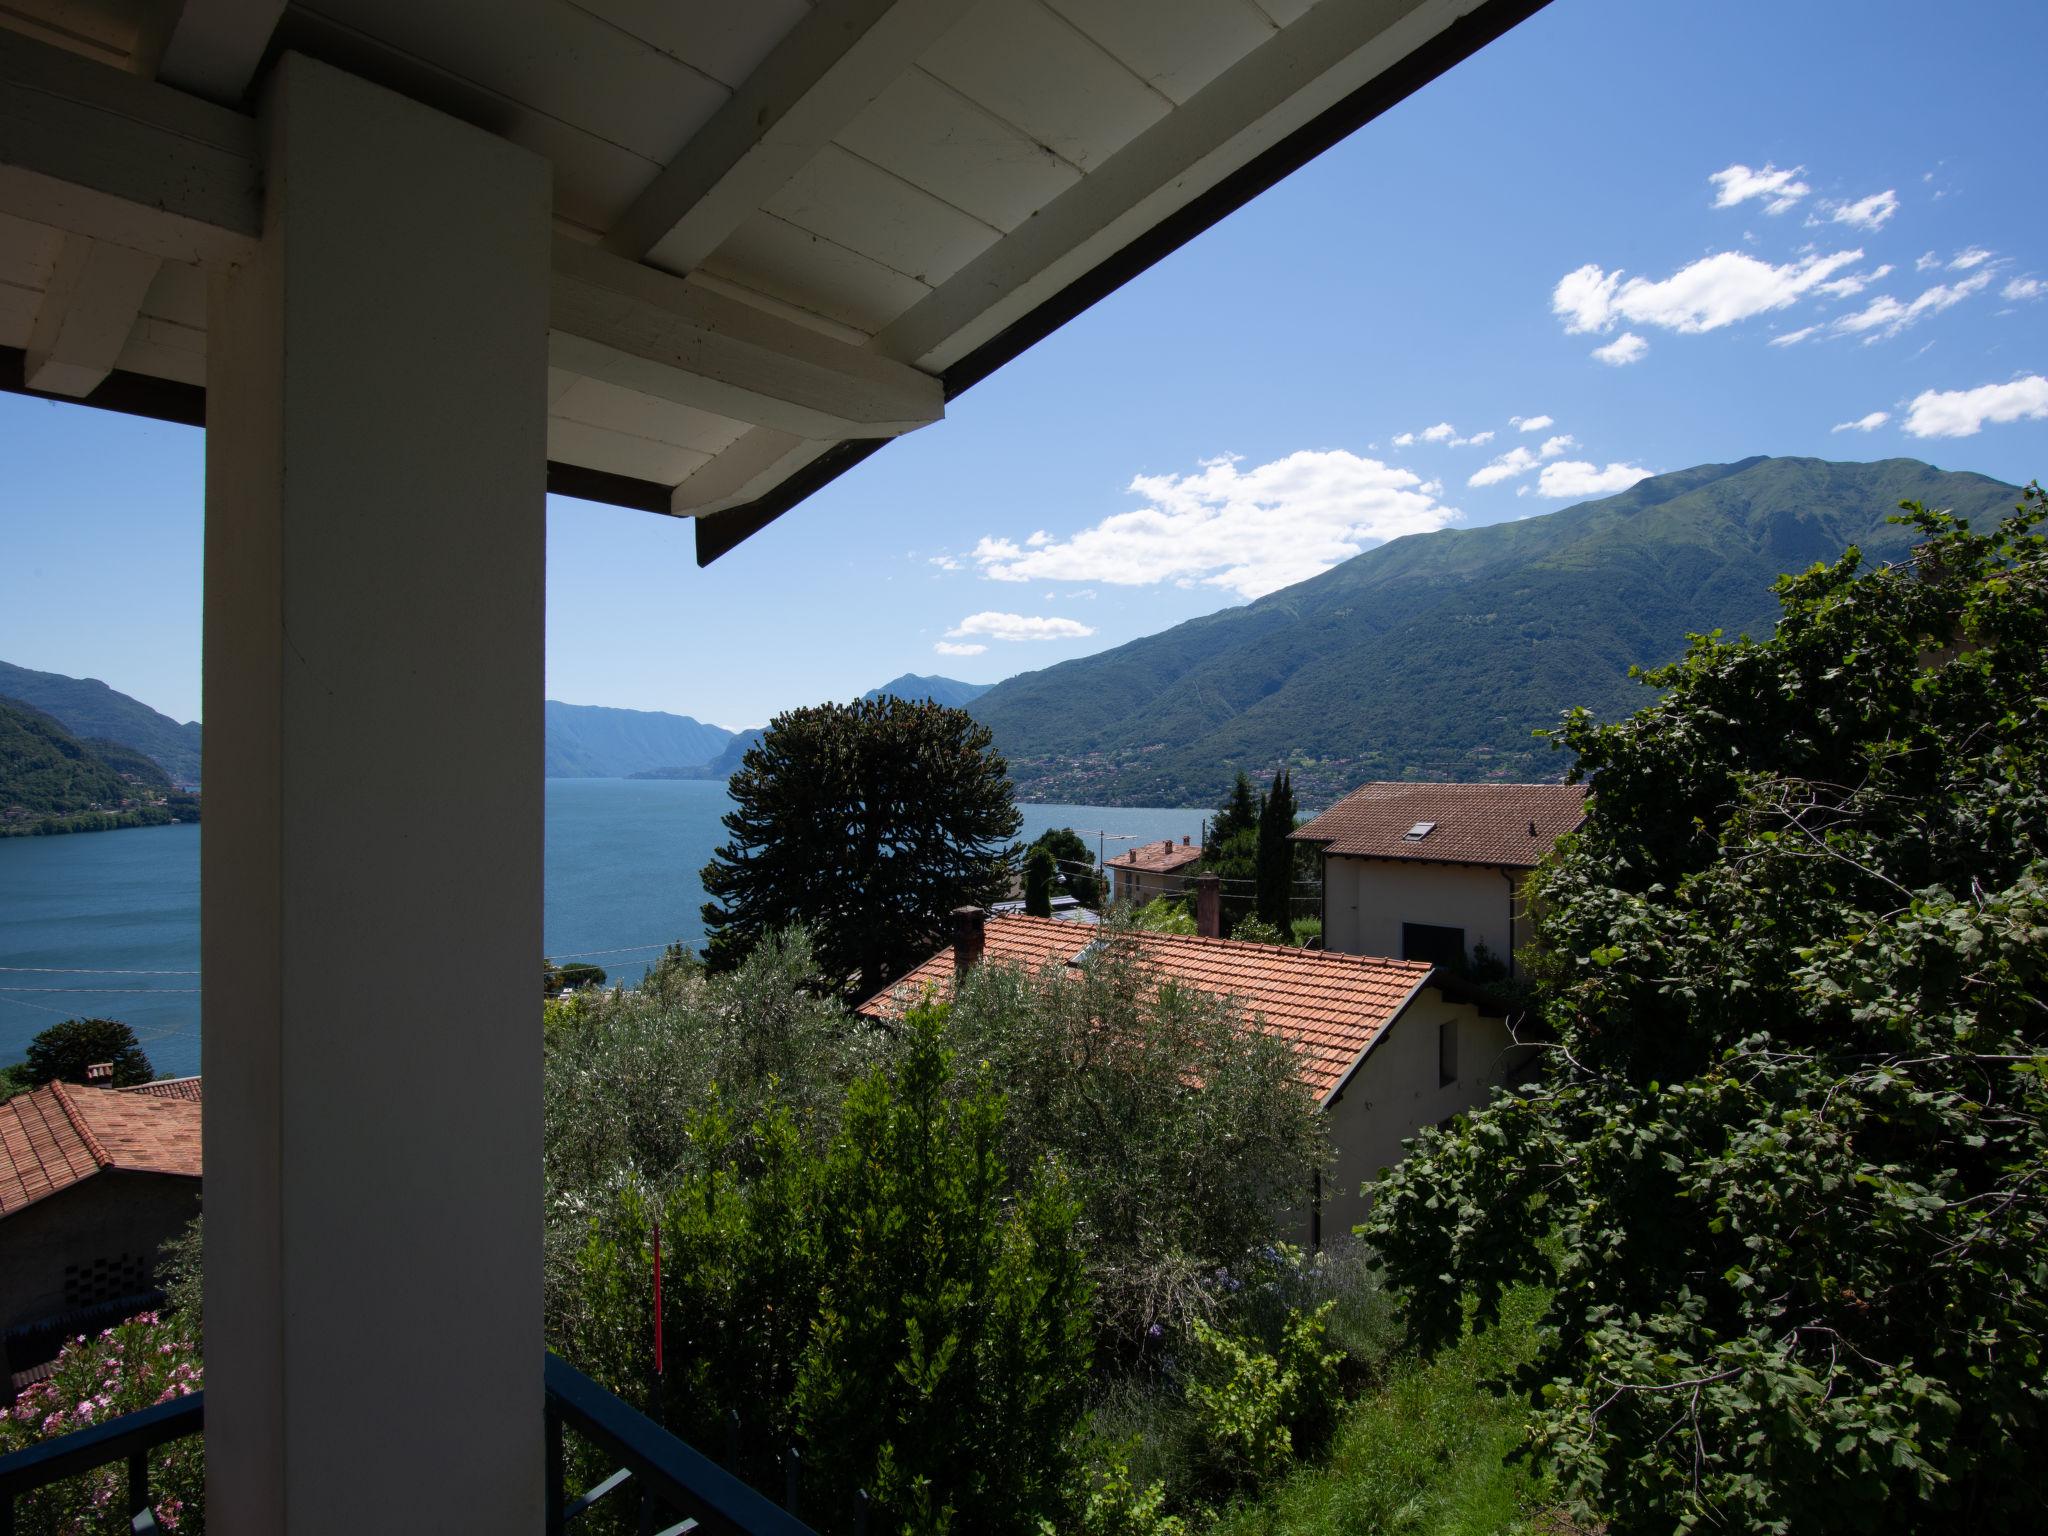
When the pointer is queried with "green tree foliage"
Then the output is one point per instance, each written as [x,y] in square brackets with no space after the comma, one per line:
[904,1305]
[64,1051]
[50,781]
[865,823]
[1276,855]
[1182,1126]
[1238,813]
[1039,875]
[1076,861]
[1792,1144]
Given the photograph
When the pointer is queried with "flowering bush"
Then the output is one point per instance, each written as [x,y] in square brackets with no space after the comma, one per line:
[133,1366]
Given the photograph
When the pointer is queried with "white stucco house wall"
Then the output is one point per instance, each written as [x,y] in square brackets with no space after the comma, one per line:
[1433,871]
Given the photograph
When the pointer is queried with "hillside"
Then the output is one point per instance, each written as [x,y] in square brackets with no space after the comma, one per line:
[50,781]
[88,708]
[1437,655]
[588,741]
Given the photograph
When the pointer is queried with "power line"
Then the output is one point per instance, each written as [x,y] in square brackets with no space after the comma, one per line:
[78,970]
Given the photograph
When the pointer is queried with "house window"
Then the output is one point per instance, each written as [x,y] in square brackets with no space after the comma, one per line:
[1447,1053]
[1439,946]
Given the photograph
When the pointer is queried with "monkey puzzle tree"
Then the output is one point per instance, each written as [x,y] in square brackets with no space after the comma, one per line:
[866,823]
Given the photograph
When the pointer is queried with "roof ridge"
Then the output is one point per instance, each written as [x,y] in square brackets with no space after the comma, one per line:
[78,1123]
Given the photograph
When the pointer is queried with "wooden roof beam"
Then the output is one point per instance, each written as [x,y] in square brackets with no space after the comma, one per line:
[644,330]
[216,46]
[818,79]
[93,300]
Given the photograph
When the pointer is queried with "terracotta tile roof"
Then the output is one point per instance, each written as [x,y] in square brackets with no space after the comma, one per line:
[62,1133]
[1328,1006]
[169,1088]
[1158,858]
[1474,823]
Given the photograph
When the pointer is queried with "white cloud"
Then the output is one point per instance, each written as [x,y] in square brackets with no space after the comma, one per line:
[1962,261]
[1553,446]
[1478,438]
[1866,212]
[949,648]
[1516,461]
[1712,292]
[1626,348]
[1442,432]
[1738,184]
[1963,412]
[1574,477]
[1927,262]
[1793,338]
[1855,282]
[1405,440]
[1249,531]
[944,562]
[1019,626]
[1038,540]
[2025,288]
[1532,423]
[1868,423]
[1885,316]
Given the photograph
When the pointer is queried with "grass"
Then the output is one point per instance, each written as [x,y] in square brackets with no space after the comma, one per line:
[1425,1452]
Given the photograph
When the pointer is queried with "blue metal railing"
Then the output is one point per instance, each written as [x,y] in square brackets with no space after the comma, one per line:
[672,1482]
[129,1438]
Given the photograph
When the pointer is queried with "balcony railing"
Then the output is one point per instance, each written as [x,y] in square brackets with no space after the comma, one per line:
[675,1488]
[129,1438]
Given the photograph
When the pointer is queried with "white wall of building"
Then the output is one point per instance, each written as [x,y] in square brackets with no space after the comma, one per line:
[1366,901]
[1398,1089]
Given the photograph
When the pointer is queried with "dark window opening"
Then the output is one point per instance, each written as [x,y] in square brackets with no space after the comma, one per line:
[1439,946]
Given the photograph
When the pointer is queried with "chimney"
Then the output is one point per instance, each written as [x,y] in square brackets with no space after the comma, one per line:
[1185,841]
[970,938]
[1208,906]
[1532,829]
[100,1075]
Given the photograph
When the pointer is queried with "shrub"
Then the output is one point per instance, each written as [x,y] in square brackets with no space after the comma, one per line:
[123,1369]
[1258,1409]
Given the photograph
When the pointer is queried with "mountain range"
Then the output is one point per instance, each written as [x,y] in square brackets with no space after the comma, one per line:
[1437,656]
[51,781]
[90,710]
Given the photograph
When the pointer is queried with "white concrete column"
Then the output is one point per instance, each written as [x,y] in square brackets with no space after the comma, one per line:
[371,876]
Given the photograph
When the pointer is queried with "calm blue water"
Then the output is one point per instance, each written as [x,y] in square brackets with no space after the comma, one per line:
[107,923]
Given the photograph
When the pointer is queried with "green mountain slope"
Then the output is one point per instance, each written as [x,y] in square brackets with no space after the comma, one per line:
[589,741]
[88,708]
[1437,655]
[52,781]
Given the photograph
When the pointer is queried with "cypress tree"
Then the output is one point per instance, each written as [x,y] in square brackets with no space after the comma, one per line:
[1275,870]
[1038,877]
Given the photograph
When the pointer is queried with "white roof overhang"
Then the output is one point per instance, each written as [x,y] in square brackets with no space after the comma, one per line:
[787,232]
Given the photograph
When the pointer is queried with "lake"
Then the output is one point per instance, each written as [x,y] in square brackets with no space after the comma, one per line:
[107,923]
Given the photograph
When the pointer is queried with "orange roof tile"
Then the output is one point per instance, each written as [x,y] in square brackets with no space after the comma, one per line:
[1161,857]
[62,1133]
[169,1088]
[1509,825]
[1329,1006]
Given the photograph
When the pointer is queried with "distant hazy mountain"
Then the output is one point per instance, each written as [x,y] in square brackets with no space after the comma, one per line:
[1437,655]
[940,690]
[87,707]
[588,741]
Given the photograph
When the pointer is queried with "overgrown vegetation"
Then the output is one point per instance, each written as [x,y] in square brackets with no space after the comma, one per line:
[1793,1138]
[63,1052]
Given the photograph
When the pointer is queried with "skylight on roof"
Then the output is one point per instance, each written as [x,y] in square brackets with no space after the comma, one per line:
[1418,832]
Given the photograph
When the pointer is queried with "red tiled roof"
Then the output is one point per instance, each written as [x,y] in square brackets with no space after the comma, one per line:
[62,1133]
[169,1088]
[1475,823]
[1328,1006]
[1162,857]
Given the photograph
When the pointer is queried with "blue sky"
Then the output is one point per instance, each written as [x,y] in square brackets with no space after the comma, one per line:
[1601,181]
